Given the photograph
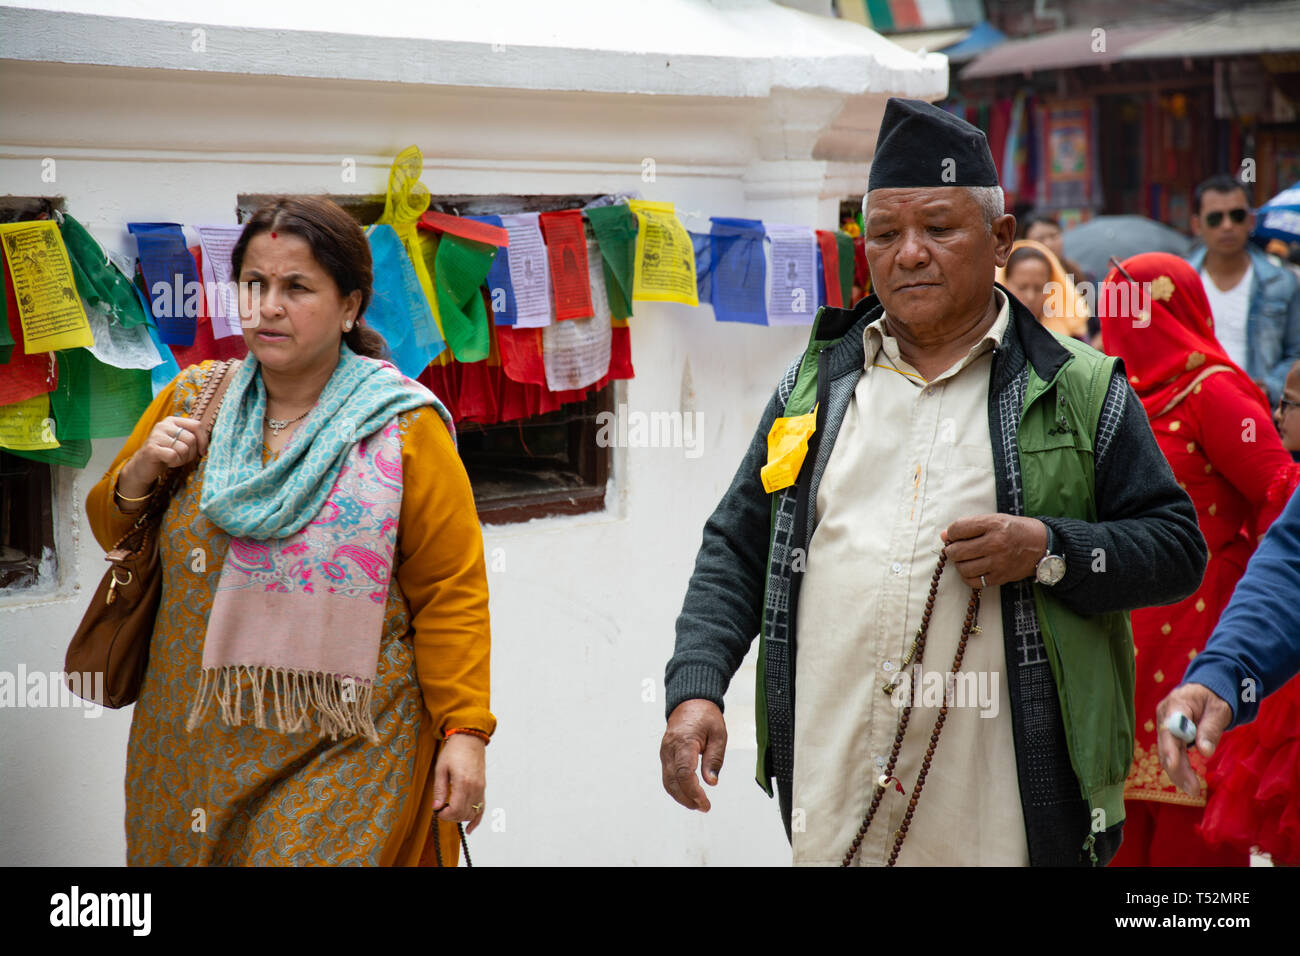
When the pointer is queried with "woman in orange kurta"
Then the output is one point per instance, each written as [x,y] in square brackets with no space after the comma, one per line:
[1215,427]
[221,787]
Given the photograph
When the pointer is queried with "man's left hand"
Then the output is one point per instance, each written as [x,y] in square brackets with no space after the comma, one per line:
[1001,547]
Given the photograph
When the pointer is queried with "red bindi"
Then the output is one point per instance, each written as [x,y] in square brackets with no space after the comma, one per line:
[272,235]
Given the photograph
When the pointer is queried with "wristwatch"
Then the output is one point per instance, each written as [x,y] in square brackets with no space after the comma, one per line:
[1051,567]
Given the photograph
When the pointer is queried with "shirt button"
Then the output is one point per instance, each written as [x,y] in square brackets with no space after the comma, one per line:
[896,568]
[880,761]
[888,665]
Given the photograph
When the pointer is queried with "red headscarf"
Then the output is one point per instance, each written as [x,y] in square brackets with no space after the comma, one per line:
[1163,330]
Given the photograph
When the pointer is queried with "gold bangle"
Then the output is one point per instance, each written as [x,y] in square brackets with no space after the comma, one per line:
[152,488]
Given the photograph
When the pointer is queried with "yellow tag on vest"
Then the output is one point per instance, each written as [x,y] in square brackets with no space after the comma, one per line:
[787,445]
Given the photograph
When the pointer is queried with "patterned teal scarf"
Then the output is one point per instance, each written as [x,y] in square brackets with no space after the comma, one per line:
[298,613]
[248,500]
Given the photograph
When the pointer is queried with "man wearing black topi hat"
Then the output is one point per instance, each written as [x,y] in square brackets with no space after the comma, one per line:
[988,719]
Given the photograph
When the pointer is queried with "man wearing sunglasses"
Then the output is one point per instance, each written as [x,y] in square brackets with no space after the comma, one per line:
[1254,298]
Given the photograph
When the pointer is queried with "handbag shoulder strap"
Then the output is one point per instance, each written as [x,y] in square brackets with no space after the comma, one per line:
[205,409]
[210,398]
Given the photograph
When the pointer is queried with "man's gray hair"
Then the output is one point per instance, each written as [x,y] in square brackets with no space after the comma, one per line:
[991,200]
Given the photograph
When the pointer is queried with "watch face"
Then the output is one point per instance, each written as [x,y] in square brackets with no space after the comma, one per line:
[1051,569]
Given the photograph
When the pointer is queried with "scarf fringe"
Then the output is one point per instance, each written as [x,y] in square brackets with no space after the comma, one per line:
[340,705]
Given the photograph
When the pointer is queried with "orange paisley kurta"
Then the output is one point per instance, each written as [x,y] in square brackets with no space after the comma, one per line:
[249,796]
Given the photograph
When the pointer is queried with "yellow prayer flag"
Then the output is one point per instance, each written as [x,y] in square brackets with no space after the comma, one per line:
[406,201]
[27,425]
[787,446]
[664,267]
[49,306]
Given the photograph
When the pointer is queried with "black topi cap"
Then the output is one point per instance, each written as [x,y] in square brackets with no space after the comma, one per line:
[921,145]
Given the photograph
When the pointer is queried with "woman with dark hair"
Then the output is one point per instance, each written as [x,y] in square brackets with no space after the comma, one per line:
[1035,277]
[1214,425]
[317,686]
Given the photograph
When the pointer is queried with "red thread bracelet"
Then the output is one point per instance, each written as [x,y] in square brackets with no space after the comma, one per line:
[481,735]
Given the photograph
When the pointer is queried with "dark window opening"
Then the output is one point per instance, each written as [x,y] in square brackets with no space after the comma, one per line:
[26,520]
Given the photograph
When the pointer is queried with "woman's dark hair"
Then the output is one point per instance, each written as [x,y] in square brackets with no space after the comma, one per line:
[1024,254]
[1033,219]
[336,242]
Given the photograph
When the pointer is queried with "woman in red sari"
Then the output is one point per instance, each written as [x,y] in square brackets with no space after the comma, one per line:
[1215,427]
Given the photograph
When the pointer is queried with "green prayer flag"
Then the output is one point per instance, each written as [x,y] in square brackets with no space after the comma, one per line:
[94,400]
[6,339]
[844,245]
[99,281]
[615,228]
[460,269]
[71,453]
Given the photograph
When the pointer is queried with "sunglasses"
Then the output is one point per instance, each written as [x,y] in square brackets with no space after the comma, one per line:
[1215,219]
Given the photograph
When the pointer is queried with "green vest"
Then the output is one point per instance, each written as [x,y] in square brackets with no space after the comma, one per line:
[1091,657]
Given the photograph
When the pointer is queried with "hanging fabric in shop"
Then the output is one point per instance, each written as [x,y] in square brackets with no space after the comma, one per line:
[49,308]
[566,254]
[739,270]
[665,255]
[119,347]
[397,304]
[615,228]
[794,286]
[6,338]
[162,374]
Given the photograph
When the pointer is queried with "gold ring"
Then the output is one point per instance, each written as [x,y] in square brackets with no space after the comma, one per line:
[476,807]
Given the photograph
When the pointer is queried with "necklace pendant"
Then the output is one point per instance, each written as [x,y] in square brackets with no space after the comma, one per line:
[276,425]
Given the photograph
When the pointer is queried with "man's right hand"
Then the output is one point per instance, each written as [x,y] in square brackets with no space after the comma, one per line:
[695,729]
[1211,715]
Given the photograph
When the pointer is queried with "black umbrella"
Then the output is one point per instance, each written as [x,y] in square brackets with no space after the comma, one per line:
[1093,243]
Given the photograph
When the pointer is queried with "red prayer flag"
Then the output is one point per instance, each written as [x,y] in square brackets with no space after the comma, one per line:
[521,354]
[830,268]
[566,251]
[25,376]
[465,228]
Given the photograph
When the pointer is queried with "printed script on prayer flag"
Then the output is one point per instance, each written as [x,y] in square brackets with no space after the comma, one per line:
[218,242]
[576,353]
[49,306]
[530,275]
[566,251]
[665,255]
[793,299]
[27,425]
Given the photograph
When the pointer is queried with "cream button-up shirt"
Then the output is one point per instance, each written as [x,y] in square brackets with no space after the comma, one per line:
[911,457]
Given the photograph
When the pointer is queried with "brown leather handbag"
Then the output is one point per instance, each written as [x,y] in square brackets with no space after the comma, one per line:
[114,636]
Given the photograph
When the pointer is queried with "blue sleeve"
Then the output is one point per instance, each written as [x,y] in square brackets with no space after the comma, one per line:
[1255,648]
[1275,377]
